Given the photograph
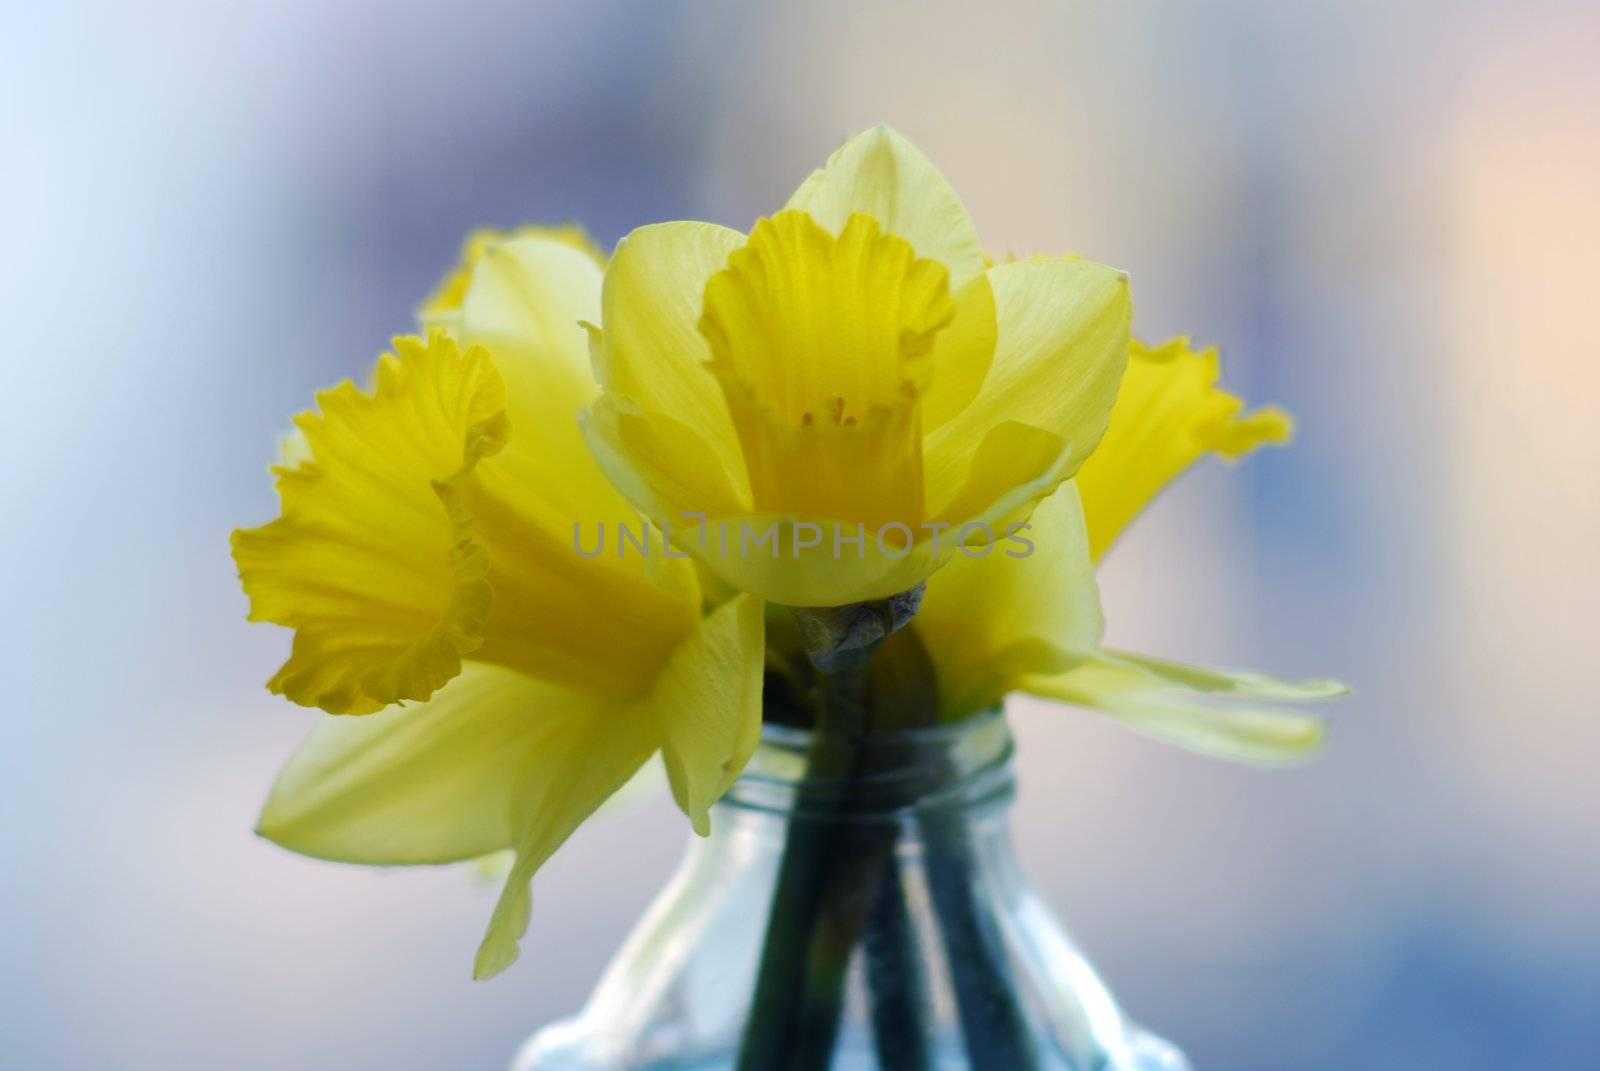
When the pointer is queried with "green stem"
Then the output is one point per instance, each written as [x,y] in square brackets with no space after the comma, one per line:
[993,1026]
[839,883]
[794,1012]
[899,986]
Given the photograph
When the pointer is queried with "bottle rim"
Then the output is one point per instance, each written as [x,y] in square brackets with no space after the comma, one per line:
[793,736]
[960,767]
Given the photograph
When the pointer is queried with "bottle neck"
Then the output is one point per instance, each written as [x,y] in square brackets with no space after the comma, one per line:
[960,769]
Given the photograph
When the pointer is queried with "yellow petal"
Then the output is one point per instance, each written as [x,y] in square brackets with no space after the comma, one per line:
[604,623]
[659,463]
[1014,465]
[558,615]
[881,174]
[708,700]
[1168,414]
[651,350]
[1238,683]
[641,790]
[962,355]
[1022,609]
[525,303]
[1063,339]
[705,712]
[574,764]
[1160,699]
[424,783]
[367,506]
[439,307]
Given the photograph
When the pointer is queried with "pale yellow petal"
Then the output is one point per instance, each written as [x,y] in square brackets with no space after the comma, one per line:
[1238,683]
[1013,463]
[962,355]
[526,302]
[1169,413]
[382,583]
[708,700]
[527,299]
[1164,705]
[651,349]
[661,465]
[883,175]
[441,308]
[557,614]
[573,766]
[1063,339]
[428,782]
[600,623]
[1028,606]
[644,788]
[704,712]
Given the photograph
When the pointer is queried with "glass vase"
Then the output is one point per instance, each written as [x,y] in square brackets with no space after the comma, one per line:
[857,906]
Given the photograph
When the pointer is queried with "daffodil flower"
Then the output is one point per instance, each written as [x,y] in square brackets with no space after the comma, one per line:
[823,409]
[853,370]
[998,623]
[423,558]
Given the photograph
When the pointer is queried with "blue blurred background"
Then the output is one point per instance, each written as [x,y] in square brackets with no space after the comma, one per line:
[1388,216]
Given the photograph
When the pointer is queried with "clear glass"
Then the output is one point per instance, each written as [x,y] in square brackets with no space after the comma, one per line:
[857,906]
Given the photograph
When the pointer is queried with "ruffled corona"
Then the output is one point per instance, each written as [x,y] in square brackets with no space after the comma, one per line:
[360,646]
[827,409]
[397,554]
[1169,413]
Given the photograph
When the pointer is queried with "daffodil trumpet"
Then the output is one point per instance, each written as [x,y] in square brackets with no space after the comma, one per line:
[854,363]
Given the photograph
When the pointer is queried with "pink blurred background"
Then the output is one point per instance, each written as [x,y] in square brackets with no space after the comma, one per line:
[1386,215]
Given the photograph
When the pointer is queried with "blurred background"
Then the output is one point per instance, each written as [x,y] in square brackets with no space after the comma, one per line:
[1387,215]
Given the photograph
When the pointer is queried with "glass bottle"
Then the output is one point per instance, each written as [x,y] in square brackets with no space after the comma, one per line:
[856,907]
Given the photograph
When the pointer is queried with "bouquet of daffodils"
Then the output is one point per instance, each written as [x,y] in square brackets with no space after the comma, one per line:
[843,471]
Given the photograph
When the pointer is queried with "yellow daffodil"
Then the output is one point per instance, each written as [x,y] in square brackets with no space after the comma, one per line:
[424,559]
[1010,621]
[822,409]
[825,413]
